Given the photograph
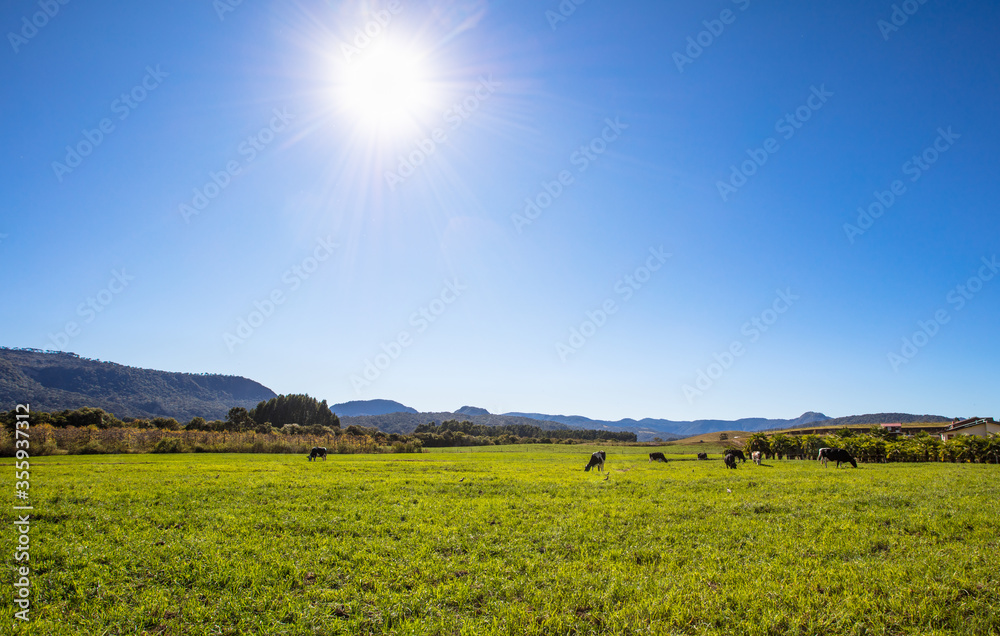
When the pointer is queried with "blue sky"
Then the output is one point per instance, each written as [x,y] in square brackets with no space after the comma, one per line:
[651,280]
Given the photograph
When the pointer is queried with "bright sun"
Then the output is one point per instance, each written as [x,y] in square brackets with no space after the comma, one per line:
[387,88]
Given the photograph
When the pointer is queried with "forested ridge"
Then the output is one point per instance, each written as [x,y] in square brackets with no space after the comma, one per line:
[56,381]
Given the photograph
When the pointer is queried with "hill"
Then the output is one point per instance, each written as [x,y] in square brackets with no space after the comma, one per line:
[356,408]
[472,410]
[53,381]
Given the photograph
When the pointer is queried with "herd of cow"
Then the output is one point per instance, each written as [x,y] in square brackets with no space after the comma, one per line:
[597,459]
[838,455]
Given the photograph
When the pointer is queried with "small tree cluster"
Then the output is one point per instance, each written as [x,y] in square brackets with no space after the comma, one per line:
[294,409]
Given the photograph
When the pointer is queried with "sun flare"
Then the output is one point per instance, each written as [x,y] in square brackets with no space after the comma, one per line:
[387,88]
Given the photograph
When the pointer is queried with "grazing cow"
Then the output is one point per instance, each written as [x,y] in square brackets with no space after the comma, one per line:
[738,454]
[657,457]
[838,455]
[702,455]
[597,459]
[730,460]
[756,457]
[317,451]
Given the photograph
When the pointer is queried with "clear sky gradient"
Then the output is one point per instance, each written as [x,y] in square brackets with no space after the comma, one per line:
[196,187]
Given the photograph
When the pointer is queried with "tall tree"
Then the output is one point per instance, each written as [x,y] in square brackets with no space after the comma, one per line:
[295,409]
[782,444]
[759,442]
[239,420]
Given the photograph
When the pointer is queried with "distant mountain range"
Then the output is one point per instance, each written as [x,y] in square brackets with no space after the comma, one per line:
[649,428]
[404,419]
[882,418]
[55,381]
[646,429]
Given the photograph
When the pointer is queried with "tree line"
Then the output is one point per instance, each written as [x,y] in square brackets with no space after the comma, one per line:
[877,445]
[48,440]
[466,433]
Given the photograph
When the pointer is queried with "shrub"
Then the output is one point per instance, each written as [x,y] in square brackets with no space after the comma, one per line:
[93,447]
[168,445]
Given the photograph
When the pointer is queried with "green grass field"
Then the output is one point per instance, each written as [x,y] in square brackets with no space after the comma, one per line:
[506,540]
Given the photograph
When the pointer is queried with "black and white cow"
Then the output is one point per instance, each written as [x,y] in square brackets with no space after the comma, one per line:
[737,453]
[657,457]
[838,455]
[597,459]
[316,452]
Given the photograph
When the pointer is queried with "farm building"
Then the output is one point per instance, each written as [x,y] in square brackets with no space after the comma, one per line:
[979,426]
[895,428]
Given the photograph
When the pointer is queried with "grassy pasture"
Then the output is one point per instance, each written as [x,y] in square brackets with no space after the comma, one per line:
[506,540]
